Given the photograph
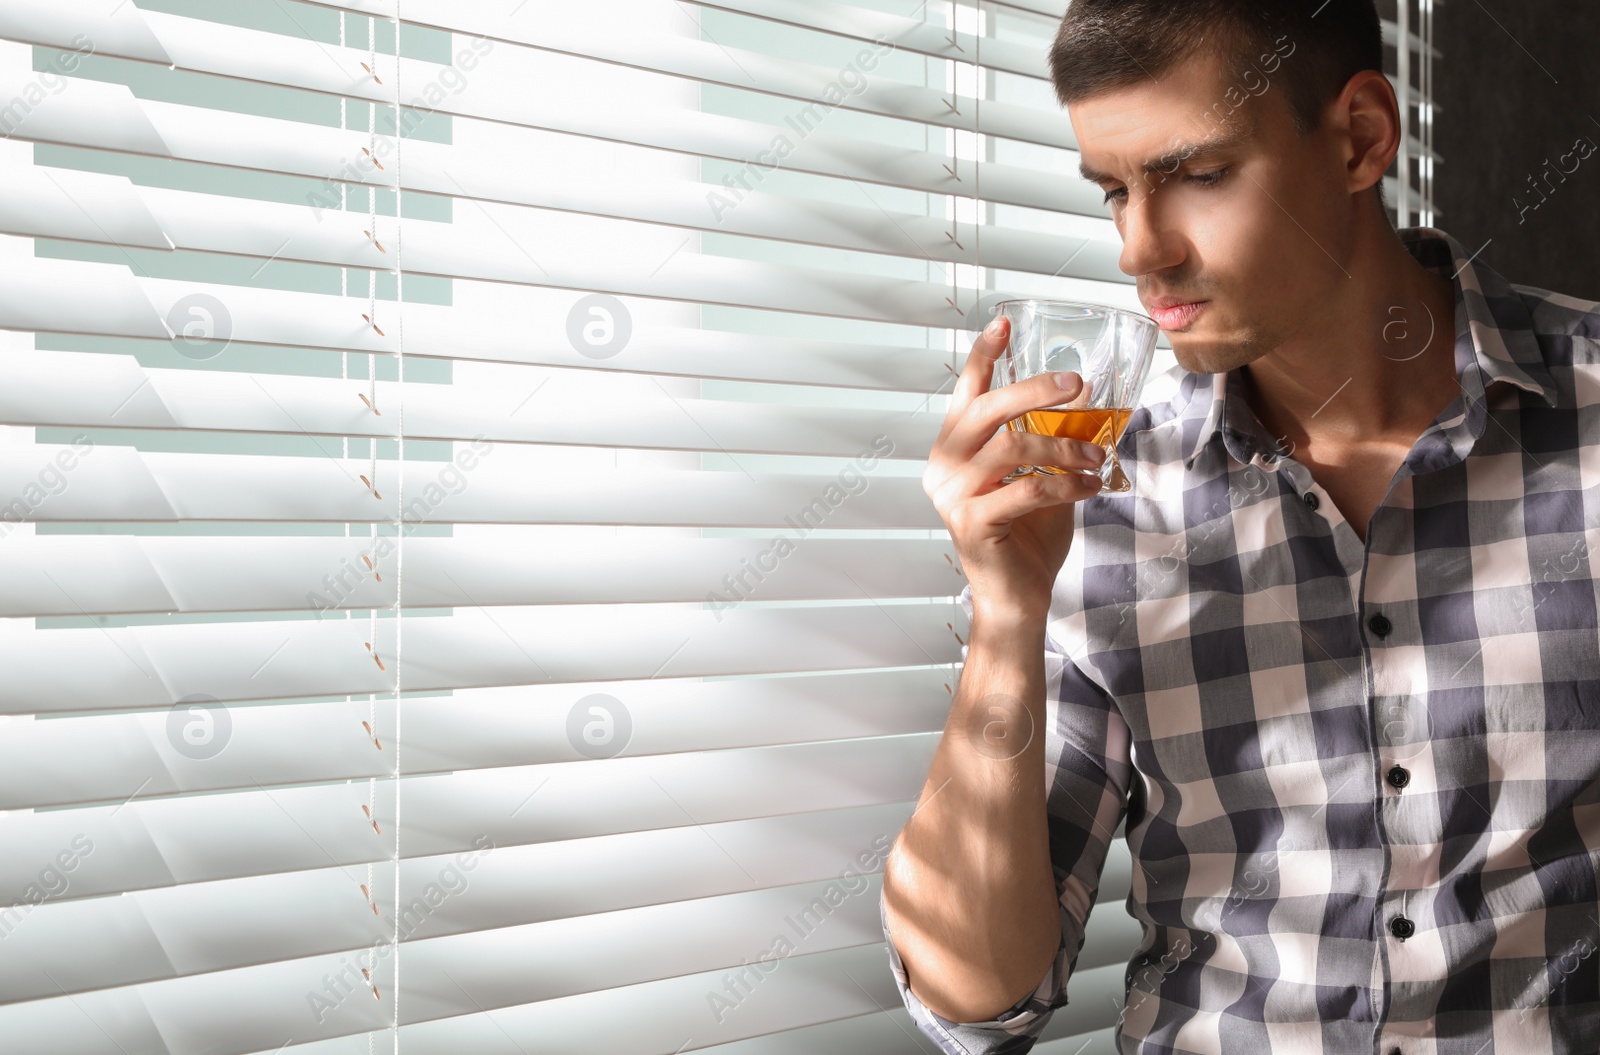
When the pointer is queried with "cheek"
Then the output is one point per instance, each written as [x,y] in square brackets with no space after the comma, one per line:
[1276,247]
[1312,211]
[1239,256]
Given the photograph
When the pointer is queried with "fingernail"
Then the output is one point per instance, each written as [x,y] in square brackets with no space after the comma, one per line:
[1095,453]
[1066,381]
[993,329]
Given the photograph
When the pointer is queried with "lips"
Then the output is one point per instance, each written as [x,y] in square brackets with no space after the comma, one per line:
[1171,313]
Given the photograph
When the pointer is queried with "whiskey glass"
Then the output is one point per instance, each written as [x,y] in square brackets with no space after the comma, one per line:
[1110,348]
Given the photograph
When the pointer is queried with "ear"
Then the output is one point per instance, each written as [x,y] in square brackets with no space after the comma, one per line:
[1367,117]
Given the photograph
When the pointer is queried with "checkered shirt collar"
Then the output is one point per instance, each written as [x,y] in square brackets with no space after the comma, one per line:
[1494,342]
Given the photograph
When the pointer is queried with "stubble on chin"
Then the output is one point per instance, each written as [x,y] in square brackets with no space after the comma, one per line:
[1207,355]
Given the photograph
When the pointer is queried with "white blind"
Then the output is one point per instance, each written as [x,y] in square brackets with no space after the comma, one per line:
[1411,73]
[465,583]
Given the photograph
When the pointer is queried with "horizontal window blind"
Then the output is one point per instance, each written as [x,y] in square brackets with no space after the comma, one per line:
[1411,72]
[465,583]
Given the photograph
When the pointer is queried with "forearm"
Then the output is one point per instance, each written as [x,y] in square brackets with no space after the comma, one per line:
[968,888]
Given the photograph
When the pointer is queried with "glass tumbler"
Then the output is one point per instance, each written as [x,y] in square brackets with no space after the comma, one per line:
[1110,348]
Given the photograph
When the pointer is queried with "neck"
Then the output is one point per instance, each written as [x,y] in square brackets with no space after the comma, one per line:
[1377,364]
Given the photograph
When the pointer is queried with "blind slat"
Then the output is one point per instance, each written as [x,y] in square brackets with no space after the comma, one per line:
[45,298]
[198,928]
[240,1012]
[866,25]
[157,666]
[467,730]
[119,28]
[268,831]
[51,575]
[88,207]
[106,113]
[122,484]
[105,390]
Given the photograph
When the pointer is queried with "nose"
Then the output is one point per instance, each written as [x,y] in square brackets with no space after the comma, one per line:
[1148,243]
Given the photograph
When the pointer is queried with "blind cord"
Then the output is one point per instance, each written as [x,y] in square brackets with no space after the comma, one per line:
[372,374]
[344,444]
[399,573]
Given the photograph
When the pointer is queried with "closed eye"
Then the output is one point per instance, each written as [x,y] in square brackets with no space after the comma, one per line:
[1207,179]
[1199,179]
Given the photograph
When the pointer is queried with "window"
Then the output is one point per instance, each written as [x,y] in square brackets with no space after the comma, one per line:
[465,583]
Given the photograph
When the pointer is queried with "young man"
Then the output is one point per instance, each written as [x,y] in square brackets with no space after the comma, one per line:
[1334,658]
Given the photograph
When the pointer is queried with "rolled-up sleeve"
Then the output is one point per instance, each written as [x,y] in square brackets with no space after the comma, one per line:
[1012,1033]
[1087,772]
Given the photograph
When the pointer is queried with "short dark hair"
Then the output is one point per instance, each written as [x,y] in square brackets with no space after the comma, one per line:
[1103,45]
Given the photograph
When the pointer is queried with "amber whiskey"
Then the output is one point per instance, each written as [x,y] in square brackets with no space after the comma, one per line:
[1100,426]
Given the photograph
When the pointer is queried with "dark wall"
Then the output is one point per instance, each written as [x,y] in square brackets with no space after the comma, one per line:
[1515,98]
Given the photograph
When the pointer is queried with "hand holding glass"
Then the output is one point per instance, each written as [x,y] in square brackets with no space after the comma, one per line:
[1109,348]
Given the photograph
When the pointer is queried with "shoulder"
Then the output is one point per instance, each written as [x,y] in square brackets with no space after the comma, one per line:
[1567,327]
[1154,427]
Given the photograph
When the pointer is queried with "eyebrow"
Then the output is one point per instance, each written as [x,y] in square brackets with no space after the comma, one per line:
[1169,161]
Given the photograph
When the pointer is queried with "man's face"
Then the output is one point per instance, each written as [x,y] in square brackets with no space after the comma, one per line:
[1254,227]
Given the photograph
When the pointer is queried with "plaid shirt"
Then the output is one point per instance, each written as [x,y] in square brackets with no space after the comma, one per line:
[1361,779]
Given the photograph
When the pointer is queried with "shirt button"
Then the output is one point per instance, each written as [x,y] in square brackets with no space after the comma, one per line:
[1380,625]
[1312,501]
[1402,928]
[1398,777]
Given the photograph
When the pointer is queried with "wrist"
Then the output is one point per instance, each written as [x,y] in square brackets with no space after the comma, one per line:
[1010,620]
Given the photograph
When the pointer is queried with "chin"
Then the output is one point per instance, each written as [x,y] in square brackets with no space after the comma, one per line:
[1203,357]
[1204,354]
